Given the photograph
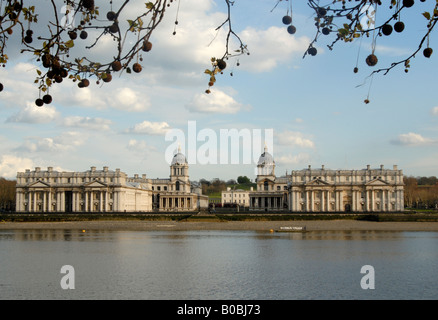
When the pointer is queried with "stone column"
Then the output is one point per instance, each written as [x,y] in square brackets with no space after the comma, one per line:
[341,201]
[307,201]
[322,201]
[34,204]
[372,200]
[49,201]
[63,201]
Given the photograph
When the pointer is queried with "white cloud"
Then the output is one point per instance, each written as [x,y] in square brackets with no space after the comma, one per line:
[434,111]
[412,139]
[301,158]
[64,142]
[215,102]
[33,114]
[129,100]
[10,165]
[147,127]
[270,47]
[291,138]
[392,51]
[87,123]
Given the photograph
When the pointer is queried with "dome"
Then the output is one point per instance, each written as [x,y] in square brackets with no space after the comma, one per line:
[266,158]
[179,158]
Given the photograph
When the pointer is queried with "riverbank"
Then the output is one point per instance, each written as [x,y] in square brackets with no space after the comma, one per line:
[141,225]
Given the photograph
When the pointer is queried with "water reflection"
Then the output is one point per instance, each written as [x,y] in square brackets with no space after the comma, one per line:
[57,235]
[217,264]
[111,235]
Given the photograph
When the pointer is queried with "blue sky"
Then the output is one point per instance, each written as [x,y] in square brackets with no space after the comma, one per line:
[313,105]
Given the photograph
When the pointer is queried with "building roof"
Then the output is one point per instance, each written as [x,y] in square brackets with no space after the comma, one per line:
[266,158]
[179,158]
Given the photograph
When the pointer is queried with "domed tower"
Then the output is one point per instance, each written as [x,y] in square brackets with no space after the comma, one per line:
[179,169]
[266,164]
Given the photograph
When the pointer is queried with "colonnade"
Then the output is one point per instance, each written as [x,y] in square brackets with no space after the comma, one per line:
[266,201]
[175,202]
[66,201]
[342,200]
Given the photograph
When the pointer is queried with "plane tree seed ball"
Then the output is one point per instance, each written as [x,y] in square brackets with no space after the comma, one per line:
[287,19]
[136,67]
[116,65]
[114,28]
[427,52]
[147,46]
[73,35]
[312,51]
[408,3]
[85,82]
[386,29]
[291,29]
[39,102]
[399,26]
[107,78]
[89,4]
[111,15]
[221,64]
[47,99]
[371,60]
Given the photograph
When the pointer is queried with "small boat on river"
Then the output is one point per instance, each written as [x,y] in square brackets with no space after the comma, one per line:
[291,229]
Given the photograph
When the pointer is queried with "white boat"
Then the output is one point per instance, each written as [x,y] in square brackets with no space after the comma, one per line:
[292,229]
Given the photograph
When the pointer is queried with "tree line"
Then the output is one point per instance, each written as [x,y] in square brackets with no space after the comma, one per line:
[7,195]
[421,192]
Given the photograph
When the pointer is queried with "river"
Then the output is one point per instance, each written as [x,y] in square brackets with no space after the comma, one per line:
[217,265]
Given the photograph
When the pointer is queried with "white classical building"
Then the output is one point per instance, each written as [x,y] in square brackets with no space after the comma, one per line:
[325,190]
[238,197]
[108,191]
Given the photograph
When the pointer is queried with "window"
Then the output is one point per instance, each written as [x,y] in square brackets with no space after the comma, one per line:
[165,188]
[278,188]
[266,186]
[177,186]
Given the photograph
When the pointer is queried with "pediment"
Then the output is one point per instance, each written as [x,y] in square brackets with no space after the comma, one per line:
[377,182]
[268,179]
[317,182]
[39,184]
[95,184]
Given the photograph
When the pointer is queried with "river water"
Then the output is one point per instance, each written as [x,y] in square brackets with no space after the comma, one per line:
[244,265]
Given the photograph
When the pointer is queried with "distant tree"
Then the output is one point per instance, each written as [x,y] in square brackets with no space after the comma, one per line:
[231,181]
[7,194]
[54,43]
[410,191]
[243,179]
[427,181]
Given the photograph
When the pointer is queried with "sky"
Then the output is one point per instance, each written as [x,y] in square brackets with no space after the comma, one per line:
[308,111]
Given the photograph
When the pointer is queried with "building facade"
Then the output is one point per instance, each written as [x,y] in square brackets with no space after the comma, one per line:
[238,197]
[108,191]
[325,190]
